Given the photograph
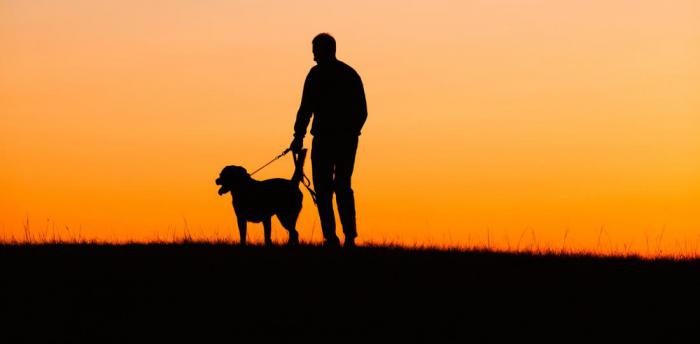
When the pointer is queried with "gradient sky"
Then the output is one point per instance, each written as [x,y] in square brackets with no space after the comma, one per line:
[503,122]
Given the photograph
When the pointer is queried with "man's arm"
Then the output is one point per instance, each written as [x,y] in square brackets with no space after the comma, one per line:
[305,109]
[363,105]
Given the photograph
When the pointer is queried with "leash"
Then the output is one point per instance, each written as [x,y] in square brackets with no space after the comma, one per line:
[307,184]
[304,179]
[271,161]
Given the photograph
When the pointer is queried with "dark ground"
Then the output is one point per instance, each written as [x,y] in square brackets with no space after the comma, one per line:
[222,293]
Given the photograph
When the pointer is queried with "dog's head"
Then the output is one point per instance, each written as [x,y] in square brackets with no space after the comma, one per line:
[231,177]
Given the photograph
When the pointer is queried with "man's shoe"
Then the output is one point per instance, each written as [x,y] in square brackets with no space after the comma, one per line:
[331,243]
[293,240]
[349,243]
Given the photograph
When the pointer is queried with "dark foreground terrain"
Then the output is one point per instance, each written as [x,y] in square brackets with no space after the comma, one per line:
[221,293]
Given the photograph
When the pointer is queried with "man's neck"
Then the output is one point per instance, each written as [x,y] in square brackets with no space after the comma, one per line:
[327,61]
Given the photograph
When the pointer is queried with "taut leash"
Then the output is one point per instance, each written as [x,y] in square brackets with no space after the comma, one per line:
[271,161]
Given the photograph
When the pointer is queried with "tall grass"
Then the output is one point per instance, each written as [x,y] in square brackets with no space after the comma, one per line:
[527,243]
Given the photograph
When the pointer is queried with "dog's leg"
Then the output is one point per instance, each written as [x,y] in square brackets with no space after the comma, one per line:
[267,224]
[288,221]
[242,226]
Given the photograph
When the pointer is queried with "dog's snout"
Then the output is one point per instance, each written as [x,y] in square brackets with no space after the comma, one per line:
[218,181]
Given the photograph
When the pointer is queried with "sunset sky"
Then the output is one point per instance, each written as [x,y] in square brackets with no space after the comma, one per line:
[510,123]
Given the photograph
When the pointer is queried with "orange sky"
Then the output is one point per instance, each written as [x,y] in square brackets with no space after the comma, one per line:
[488,120]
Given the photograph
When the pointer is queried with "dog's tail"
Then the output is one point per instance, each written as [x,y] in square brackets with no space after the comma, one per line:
[299,166]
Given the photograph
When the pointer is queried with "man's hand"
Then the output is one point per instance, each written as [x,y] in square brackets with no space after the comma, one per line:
[297,144]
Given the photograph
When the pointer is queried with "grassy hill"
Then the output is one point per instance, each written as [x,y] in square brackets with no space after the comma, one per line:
[223,293]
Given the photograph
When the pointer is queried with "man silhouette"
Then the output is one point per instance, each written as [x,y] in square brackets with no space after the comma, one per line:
[333,93]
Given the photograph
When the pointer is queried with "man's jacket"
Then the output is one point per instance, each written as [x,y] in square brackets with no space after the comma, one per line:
[334,94]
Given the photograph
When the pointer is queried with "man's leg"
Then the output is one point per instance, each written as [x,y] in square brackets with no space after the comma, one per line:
[345,162]
[322,172]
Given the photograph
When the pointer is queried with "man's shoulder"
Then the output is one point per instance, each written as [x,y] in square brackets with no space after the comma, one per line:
[347,67]
[348,70]
[313,70]
[339,68]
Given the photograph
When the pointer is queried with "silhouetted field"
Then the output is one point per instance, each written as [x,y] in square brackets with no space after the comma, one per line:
[223,293]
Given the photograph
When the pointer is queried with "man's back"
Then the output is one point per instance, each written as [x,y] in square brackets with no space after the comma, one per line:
[333,92]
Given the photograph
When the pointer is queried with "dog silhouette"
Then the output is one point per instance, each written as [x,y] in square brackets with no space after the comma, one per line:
[257,201]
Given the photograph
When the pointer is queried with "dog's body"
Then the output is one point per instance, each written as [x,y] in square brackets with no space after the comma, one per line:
[258,201]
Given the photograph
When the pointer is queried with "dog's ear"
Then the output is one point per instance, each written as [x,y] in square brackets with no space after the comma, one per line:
[237,173]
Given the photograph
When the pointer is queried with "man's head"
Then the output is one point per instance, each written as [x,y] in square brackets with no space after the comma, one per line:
[323,48]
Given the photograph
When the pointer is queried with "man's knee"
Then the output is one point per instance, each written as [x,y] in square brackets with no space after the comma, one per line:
[343,189]
[323,185]
[324,196]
